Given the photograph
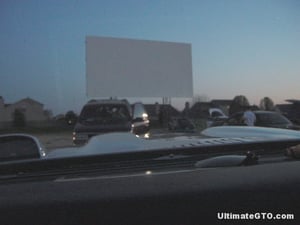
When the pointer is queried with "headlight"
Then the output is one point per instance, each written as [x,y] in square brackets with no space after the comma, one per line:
[145,116]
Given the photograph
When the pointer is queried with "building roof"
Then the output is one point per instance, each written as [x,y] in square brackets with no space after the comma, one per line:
[294,101]
[27,100]
[221,101]
[107,102]
[30,101]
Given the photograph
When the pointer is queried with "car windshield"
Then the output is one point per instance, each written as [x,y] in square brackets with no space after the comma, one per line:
[10,150]
[152,69]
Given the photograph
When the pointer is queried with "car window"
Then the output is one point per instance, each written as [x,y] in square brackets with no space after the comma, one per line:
[272,118]
[216,114]
[177,59]
[102,113]
[18,147]
[147,94]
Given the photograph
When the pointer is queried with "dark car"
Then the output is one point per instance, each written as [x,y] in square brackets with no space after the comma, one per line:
[19,146]
[104,116]
[263,119]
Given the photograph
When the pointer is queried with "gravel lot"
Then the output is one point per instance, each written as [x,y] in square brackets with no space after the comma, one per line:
[55,140]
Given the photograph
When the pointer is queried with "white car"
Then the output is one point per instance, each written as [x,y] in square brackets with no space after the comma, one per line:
[215,114]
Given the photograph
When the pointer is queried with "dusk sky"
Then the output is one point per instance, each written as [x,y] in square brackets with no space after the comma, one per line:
[244,47]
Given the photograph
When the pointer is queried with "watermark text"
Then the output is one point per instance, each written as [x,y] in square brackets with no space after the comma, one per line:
[255,216]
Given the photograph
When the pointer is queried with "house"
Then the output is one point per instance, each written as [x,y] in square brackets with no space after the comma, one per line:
[32,110]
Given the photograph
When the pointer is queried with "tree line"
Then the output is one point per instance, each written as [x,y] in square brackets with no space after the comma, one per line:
[240,102]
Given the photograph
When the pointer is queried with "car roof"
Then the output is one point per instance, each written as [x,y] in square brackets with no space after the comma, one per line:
[257,112]
[107,102]
[265,112]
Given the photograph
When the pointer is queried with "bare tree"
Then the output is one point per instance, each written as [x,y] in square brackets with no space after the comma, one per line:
[200,98]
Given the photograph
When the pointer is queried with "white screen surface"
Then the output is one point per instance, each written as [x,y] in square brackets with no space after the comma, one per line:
[118,67]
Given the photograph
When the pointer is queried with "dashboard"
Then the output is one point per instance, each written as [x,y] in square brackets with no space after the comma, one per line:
[181,196]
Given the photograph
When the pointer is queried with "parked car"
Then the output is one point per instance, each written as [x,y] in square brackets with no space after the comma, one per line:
[104,116]
[19,146]
[263,119]
[181,124]
[215,115]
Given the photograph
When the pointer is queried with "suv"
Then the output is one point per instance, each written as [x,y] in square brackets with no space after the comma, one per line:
[104,116]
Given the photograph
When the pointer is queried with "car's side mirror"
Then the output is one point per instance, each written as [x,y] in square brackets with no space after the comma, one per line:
[20,146]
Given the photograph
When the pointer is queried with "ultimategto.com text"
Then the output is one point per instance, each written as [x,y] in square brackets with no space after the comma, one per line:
[255,216]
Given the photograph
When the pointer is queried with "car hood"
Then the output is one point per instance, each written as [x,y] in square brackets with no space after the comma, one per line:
[245,131]
[122,142]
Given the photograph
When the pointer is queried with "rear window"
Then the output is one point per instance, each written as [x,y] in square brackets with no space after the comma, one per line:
[104,113]
[216,114]
[271,118]
[13,148]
